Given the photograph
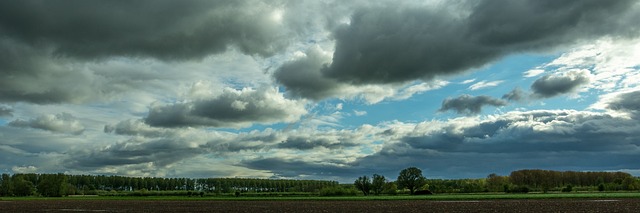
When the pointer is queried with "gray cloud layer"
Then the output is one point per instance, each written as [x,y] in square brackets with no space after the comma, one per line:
[578,139]
[162,29]
[161,152]
[627,102]
[46,46]
[5,111]
[474,148]
[231,109]
[467,104]
[60,123]
[162,147]
[394,44]
[456,148]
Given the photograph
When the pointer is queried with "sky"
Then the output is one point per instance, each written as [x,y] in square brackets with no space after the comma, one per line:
[319,89]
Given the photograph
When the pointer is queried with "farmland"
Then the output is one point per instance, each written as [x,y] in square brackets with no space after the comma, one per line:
[482,202]
[308,205]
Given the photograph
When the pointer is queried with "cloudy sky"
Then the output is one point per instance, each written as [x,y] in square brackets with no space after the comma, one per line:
[319,89]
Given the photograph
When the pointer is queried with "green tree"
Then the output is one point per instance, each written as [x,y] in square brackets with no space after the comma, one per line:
[53,185]
[6,186]
[630,183]
[411,178]
[23,187]
[363,184]
[377,183]
[495,183]
[390,188]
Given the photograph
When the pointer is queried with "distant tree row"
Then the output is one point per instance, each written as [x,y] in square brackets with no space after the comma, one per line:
[55,185]
[546,179]
[539,180]
[409,179]
[520,181]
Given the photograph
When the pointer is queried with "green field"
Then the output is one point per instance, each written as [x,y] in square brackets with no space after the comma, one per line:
[479,196]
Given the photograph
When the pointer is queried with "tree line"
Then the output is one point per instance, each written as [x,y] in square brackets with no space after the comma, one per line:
[545,180]
[520,181]
[409,181]
[56,185]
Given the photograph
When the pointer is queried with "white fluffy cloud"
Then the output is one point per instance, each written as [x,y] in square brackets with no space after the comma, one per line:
[484,84]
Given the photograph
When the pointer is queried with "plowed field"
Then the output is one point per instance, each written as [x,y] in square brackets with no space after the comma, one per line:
[536,205]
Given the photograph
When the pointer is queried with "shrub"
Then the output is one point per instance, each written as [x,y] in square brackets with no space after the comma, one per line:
[423,192]
[337,191]
[519,189]
[390,188]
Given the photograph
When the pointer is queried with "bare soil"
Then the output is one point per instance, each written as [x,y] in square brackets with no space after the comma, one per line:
[540,205]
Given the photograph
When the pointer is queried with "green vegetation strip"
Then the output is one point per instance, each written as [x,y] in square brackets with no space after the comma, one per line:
[480,196]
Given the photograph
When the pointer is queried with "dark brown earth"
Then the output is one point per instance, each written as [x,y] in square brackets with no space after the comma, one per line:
[550,205]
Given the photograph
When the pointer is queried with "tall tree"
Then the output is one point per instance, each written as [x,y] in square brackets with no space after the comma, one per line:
[363,184]
[53,185]
[411,178]
[377,183]
[6,186]
[496,183]
[23,187]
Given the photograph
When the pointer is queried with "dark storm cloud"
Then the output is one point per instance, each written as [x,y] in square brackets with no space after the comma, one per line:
[383,45]
[537,132]
[6,111]
[306,143]
[161,29]
[515,95]
[28,74]
[467,104]
[397,44]
[534,24]
[45,46]
[302,79]
[553,85]
[231,109]
[627,102]
[59,123]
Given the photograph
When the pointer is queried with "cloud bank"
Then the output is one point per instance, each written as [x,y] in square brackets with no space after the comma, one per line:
[233,108]
[394,44]
[59,123]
